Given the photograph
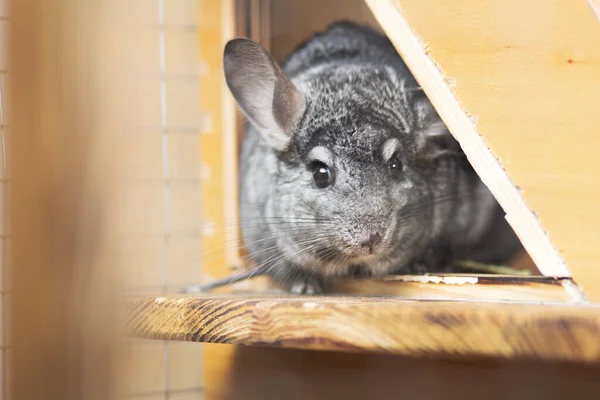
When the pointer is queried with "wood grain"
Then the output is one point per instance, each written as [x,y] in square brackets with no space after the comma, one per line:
[361,324]
[517,84]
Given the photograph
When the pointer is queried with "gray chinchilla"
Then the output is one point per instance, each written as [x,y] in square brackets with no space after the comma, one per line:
[346,168]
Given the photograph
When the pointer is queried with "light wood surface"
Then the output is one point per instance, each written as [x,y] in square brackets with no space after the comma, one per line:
[463,287]
[218,155]
[522,79]
[362,324]
[534,289]
[218,142]
[595,5]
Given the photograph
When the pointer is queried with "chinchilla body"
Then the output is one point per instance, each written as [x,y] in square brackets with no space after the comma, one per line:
[346,167]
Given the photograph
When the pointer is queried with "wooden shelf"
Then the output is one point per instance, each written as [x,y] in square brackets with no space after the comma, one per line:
[537,289]
[367,324]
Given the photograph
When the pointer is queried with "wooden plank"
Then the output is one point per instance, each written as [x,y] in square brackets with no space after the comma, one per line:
[361,324]
[524,76]
[67,102]
[463,287]
[218,142]
[218,155]
[595,5]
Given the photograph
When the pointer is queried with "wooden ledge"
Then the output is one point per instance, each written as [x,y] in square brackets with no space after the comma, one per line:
[474,287]
[362,324]
[462,287]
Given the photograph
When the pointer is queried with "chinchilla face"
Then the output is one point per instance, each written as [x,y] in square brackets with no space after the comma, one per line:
[360,160]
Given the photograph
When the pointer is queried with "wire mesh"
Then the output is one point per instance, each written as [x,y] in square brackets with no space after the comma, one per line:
[164,184]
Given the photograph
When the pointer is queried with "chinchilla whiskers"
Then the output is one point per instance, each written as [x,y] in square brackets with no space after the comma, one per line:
[236,246]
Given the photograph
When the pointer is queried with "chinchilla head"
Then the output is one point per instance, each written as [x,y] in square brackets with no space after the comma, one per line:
[358,149]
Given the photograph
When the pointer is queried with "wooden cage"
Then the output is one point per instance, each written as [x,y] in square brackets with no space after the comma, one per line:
[122,155]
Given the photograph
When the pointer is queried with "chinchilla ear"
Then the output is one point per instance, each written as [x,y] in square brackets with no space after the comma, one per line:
[434,140]
[263,92]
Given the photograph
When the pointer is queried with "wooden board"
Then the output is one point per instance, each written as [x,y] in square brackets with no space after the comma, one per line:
[517,82]
[218,155]
[461,287]
[362,324]
[466,287]
[218,142]
[595,5]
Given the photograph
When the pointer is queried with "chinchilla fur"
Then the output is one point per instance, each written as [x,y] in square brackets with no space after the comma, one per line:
[346,168]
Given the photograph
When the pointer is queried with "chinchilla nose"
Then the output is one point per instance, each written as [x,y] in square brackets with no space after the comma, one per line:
[371,241]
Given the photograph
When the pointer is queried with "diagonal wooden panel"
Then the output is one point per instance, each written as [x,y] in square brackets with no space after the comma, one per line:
[518,84]
[595,5]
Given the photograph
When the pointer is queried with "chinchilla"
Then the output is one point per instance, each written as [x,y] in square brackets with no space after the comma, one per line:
[346,168]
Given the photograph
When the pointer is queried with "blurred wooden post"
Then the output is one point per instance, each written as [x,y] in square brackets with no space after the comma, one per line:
[66,102]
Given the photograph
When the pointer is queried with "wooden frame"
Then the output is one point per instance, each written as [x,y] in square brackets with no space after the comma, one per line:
[68,116]
[253,19]
[218,154]
[492,90]
[533,320]
[244,310]
[218,141]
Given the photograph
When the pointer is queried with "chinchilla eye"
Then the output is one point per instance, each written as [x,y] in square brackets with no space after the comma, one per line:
[322,174]
[395,166]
